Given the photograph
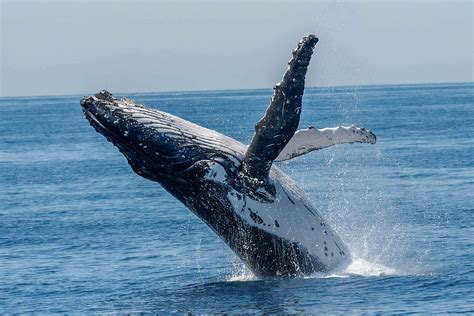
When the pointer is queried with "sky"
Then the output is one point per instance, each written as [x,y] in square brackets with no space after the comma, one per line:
[80,47]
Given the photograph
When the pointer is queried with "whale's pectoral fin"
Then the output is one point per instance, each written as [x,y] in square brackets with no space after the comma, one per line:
[309,139]
[281,120]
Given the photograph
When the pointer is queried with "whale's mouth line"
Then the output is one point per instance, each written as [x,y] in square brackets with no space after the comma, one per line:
[100,128]
[127,148]
[94,121]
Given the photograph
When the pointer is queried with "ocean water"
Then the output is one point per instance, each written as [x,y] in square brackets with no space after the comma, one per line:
[80,232]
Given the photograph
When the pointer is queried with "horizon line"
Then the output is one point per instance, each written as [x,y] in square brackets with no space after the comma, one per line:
[242,89]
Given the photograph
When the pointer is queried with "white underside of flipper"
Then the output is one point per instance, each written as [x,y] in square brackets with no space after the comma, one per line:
[309,139]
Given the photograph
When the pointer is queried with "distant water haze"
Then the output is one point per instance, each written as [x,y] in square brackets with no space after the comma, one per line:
[78,47]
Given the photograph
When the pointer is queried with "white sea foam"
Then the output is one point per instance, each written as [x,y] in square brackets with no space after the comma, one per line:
[241,276]
[363,267]
[358,267]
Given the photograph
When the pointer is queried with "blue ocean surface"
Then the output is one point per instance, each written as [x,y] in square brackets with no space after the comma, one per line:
[80,232]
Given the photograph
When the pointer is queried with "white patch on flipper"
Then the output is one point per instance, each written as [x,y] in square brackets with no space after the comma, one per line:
[310,139]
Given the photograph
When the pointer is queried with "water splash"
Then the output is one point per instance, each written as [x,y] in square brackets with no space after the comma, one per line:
[359,211]
[358,267]
[362,267]
[241,273]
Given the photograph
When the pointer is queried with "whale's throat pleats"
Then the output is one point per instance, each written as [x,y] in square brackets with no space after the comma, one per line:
[282,117]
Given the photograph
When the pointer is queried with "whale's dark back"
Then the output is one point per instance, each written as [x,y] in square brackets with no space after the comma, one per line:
[181,143]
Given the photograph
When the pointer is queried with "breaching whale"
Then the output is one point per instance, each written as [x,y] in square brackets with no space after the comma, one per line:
[237,190]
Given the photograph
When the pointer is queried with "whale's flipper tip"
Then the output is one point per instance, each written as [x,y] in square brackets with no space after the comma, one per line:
[282,117]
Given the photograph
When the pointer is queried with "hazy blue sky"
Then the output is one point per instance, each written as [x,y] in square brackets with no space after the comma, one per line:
[79,47]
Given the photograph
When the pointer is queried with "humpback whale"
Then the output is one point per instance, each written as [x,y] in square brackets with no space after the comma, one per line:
[237,190]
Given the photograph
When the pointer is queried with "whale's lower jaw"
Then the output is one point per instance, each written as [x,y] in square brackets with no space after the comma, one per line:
[265,254]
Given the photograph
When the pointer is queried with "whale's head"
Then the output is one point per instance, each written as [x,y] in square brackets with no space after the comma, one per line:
[159,146]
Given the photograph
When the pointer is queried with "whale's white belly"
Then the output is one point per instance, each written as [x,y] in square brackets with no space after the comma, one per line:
[290,216]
